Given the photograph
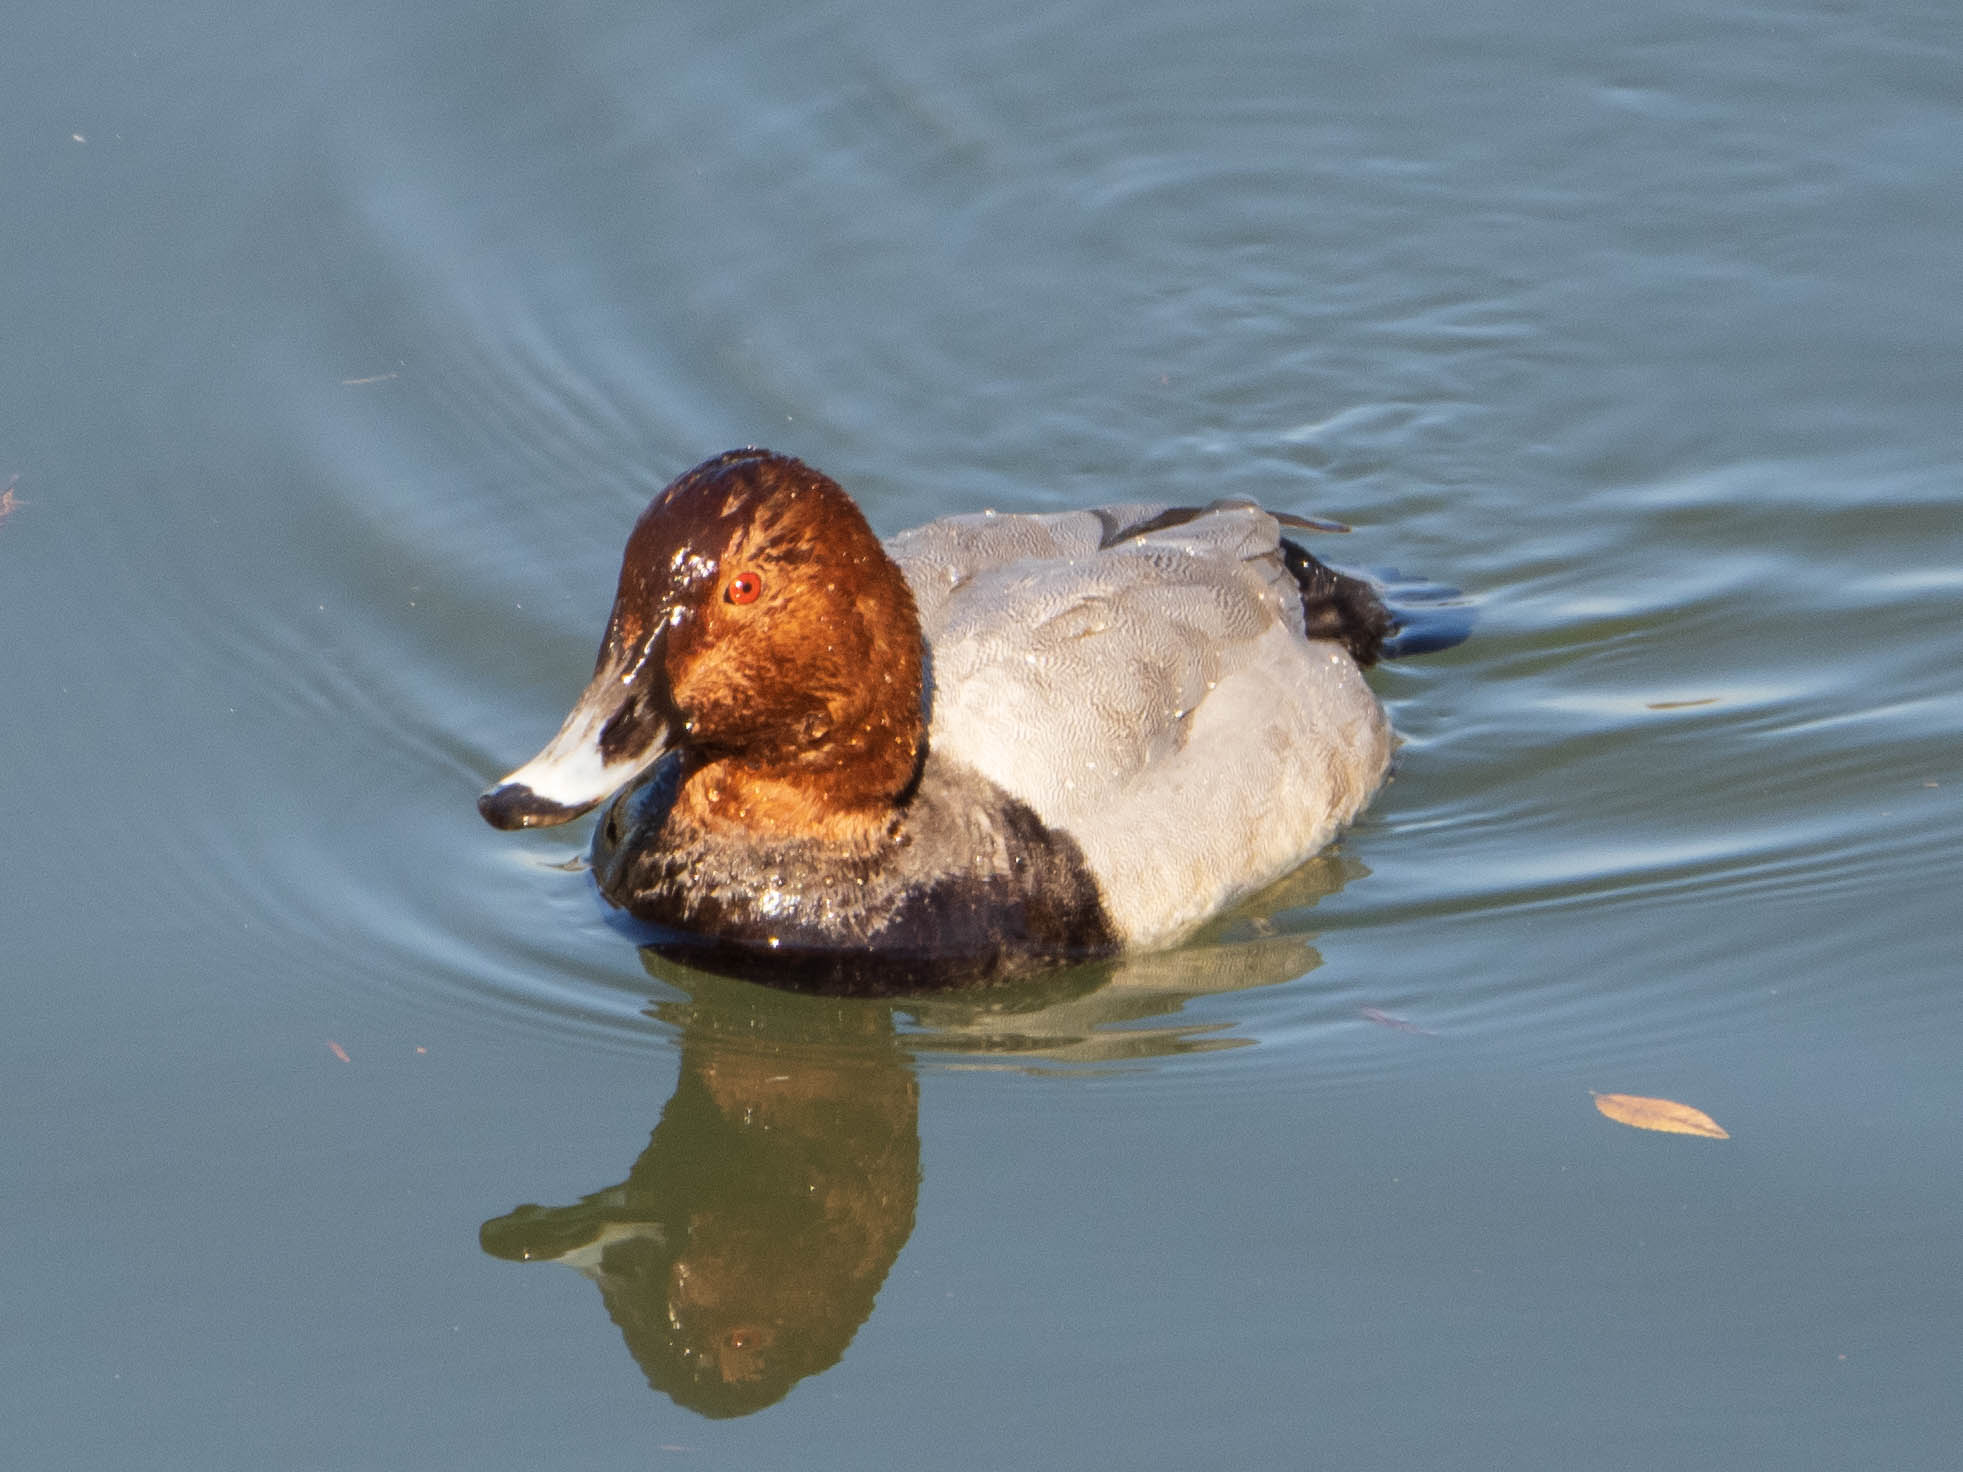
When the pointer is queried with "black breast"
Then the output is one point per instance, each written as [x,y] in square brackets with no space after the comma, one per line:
[967,887]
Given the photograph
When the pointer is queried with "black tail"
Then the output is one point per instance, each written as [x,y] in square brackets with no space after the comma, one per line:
[1340,607]
[1422,618]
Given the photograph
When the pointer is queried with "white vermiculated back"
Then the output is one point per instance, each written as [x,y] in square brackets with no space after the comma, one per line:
[1150,694]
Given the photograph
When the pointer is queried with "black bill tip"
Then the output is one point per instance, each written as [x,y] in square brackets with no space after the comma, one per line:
[514,805]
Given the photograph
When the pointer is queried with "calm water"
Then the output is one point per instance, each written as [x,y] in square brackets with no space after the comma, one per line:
[340,347]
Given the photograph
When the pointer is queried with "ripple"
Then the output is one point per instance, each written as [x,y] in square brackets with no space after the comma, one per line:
[1706,683]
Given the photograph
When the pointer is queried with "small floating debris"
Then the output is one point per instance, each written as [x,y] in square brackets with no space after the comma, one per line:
[1396,1024]
[1665,1115]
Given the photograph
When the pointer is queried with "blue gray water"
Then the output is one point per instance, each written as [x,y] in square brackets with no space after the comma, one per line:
[338,349]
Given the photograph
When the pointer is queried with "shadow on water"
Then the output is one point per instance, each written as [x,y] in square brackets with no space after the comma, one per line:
[747,1244]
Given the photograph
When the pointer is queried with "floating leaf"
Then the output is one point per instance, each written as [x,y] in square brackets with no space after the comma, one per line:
[1659,1114]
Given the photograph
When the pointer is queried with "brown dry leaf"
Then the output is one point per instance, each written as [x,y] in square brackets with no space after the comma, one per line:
[1666,1115]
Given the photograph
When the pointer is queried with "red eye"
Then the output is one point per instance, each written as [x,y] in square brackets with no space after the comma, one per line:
[744,588]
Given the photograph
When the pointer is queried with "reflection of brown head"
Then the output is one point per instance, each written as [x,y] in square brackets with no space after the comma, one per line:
[746,1245]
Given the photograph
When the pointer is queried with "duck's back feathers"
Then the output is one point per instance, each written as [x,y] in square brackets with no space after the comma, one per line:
[1146,680]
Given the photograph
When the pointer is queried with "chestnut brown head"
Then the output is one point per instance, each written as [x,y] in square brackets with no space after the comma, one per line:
[759,626]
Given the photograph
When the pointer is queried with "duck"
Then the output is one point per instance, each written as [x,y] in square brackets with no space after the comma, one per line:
[986,746]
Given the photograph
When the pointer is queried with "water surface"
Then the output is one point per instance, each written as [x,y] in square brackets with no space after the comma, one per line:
[342,347]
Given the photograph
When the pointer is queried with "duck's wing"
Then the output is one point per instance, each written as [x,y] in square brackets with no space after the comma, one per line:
[1142,678]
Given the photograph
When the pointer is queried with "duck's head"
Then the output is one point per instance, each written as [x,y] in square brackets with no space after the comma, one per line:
[761,629]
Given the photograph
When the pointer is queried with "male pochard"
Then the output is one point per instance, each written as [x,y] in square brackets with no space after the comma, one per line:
[989,744]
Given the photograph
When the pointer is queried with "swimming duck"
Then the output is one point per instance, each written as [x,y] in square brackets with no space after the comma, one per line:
[989,744]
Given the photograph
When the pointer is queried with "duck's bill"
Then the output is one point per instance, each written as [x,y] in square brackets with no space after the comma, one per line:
[608,740]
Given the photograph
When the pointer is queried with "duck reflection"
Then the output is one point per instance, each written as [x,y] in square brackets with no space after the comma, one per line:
[746,1245]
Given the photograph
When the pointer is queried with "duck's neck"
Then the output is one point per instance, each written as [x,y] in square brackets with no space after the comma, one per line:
[846,789]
